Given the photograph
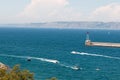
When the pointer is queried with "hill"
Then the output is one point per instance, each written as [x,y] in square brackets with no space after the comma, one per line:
[69,25]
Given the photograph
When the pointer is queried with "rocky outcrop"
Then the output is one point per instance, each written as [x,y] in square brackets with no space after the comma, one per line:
[3,66]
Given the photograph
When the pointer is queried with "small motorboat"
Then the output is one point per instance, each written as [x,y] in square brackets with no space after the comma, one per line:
[28,59]
[97,69]
[73,52]
[76,68]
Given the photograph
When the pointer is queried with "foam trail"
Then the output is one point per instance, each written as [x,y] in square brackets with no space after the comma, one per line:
[44,59]
[41,59]
[98,55]
[36,58]
[69,66]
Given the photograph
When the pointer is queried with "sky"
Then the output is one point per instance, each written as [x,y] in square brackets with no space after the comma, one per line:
[34,11]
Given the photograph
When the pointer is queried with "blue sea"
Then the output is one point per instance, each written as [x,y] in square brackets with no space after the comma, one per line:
[55,52]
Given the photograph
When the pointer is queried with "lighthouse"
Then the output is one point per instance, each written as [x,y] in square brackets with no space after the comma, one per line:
[87,42]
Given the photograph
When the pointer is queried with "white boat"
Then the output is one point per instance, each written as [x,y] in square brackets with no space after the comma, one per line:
[76,68]
[97,69]
[73,52]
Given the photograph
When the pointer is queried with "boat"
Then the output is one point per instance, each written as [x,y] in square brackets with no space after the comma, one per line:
[76,68]
[97,69]
[28,59]
[73,52]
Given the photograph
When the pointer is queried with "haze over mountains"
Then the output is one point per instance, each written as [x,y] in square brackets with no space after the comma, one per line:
[69,25]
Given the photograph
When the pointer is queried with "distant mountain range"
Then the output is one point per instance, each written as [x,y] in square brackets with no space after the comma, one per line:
[69,25]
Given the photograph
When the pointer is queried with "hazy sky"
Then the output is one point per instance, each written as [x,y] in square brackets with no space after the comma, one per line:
[26,11]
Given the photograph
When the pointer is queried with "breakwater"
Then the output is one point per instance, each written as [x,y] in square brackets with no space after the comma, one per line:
[103,44]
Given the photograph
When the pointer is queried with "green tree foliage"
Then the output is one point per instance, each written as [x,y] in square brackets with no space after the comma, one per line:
[15,74]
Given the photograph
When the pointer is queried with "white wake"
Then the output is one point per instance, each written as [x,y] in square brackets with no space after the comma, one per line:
[35,58]
[70,66]
[98,55]
[41,59]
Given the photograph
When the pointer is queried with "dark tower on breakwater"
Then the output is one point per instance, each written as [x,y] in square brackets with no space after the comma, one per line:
[87,41]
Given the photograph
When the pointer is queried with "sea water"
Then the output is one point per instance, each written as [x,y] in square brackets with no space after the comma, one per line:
[55,52]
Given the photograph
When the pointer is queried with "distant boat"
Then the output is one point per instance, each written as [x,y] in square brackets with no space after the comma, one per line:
[73,52]
[97,69]
[28,59]
[76,67]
